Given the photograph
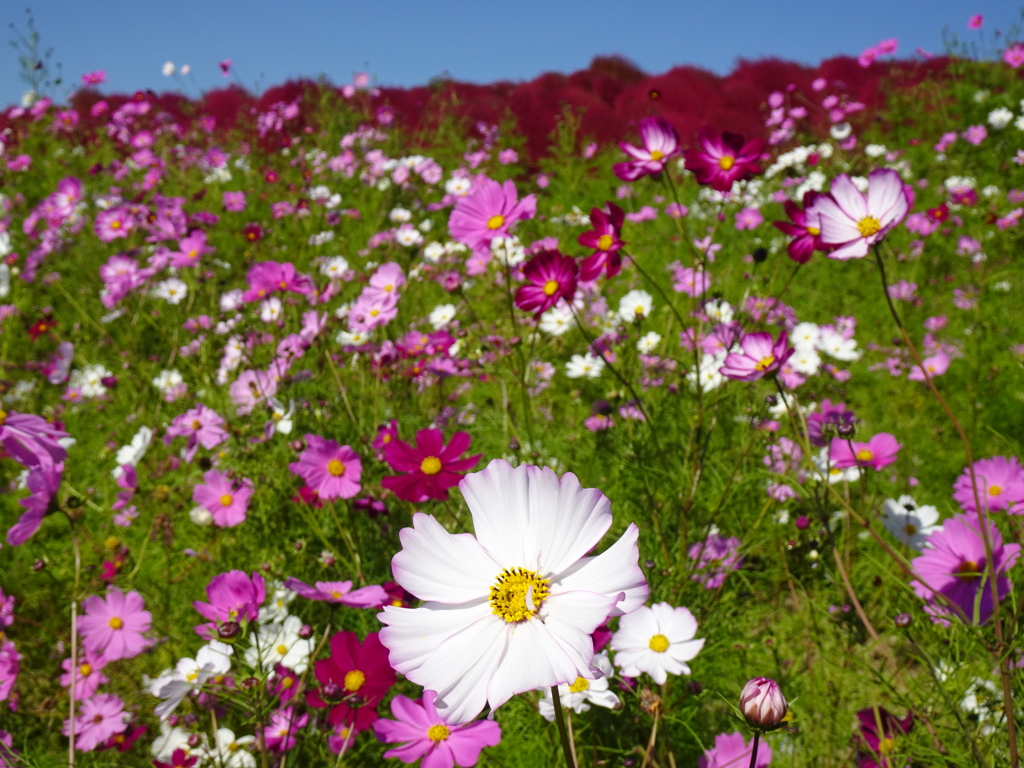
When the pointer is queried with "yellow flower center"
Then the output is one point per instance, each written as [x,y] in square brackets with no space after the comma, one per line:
[335,594]
[354,680]
[659,644]
[287,683]
[581,685]
[115,623]
[865,455]
[726,162]
[192,676]
[196,424]
[765,363]
[657,154]
[886,746]
[335,467]
[226,500]
[438,732]
[3,418]
[518,594]
[967,571]
[604,242]
[281,649]
[430,465]
[85,670]
[496,221]
[868,226]
[192,254]
[813,231]
[550,287]
[115,225]
[994,490]
[283,285]
[910,529]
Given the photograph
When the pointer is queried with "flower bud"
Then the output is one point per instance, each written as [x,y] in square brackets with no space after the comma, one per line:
[194,740]
[305,631]
[903,620]
[763,704]
[846,431]
[229,630]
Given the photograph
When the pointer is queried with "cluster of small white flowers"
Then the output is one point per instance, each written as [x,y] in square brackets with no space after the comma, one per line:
[797,158]
[89,380]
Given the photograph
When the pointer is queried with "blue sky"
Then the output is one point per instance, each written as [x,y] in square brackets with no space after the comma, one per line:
[406,42]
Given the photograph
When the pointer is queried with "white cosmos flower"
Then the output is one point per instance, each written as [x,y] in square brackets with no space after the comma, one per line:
[433,253]
[352,338]
[441,315]
[276,611]
[408,236]
[710,377]
[171,739]
[167,380]
[282,420]
[168,68]
[400,215]
[231,300]
[189,674]
[557,320]
[134,451]
[635,305]
[656,640]
[839,347]
[270,310]
[827,468]
[585,365]
[334,267]
[1000,118]
[173,290]
[512,608]
[720,310]
[583,692]
[5,273]
[646,343]
[90,380]
[805,335]
[280,644]
[908,522]
[805,360]
[458,186]
[229,751]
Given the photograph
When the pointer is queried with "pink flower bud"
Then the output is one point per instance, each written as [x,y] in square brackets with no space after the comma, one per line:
[763,704]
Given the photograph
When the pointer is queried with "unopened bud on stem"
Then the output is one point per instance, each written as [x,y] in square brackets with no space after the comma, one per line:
[763,704]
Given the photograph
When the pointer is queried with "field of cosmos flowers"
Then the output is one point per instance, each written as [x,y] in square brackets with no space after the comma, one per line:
[337,432]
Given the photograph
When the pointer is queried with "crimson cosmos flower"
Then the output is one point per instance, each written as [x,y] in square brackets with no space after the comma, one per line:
[718,161]
[879,729]
[661,141]
[353,680]
[805,229]
[552,276]
[605,239]
[431,467]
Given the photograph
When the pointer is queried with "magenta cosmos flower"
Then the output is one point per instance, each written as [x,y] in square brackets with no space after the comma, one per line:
[233,596]
[331,470]
[721,160]
[98,719]
[269,277]
[423,733]
[1000,485]
[761,357]
[879,730]
[605,238]
[31,440]
[219,496]
[279,735]
[551,276]
[353,680]
[880,451]
[511,608]
[488,213]
[340,592]
[114,625]
[661,141]
[715,557]
[431,467]
[201,425]
[42,484]
[804,226]
[10,666]
[113,224]
[851,222]
[956,566]
[731,750]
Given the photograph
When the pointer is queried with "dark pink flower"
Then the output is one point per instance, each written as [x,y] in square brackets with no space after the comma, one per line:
[10,666]
[353,680]
[42,484]
[551,276]
[31,440]
[715,556]
[269,277]
[234,597]
[823,424]
[721,160]
[605,238]
[191,249]
[805,229]
[331,470]
[423,733]
[490,212]
[879,730]
[431,467]
[219,496]
[113,224]
[1000,486]
[340,592]
[94,78]
[113,626]
[661,142]
[880,451]
[761,357]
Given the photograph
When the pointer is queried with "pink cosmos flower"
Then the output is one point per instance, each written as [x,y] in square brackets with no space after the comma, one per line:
[715,557]
[852,222]
[10,665]
[373,308]
[201,425]
[423,733]
[761,356]
[936,365]
[113,224]
[279,735]
[233,596]
[605,239]
[975,21]
[31,440]
[749,218]
[225,67]
[388,278]
[731,750]
[721,160]
[876,743]
[692,282]
[340,592]
[251,389]
[88,676]
[269,277]
[1014,55]
[975,134]
[490,212]
[42,484]
[955,565]
[1000,485]
[191,249]
[6,609]
[219,496]
[431,467]
[234,201]
[99,718]
[805,229]
[552,276]
[331,470]
[880,451]
[113,626]
[661,142]
[94,78]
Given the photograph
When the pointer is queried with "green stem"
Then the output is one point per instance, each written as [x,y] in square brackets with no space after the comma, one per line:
[563,733]
[753,750]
